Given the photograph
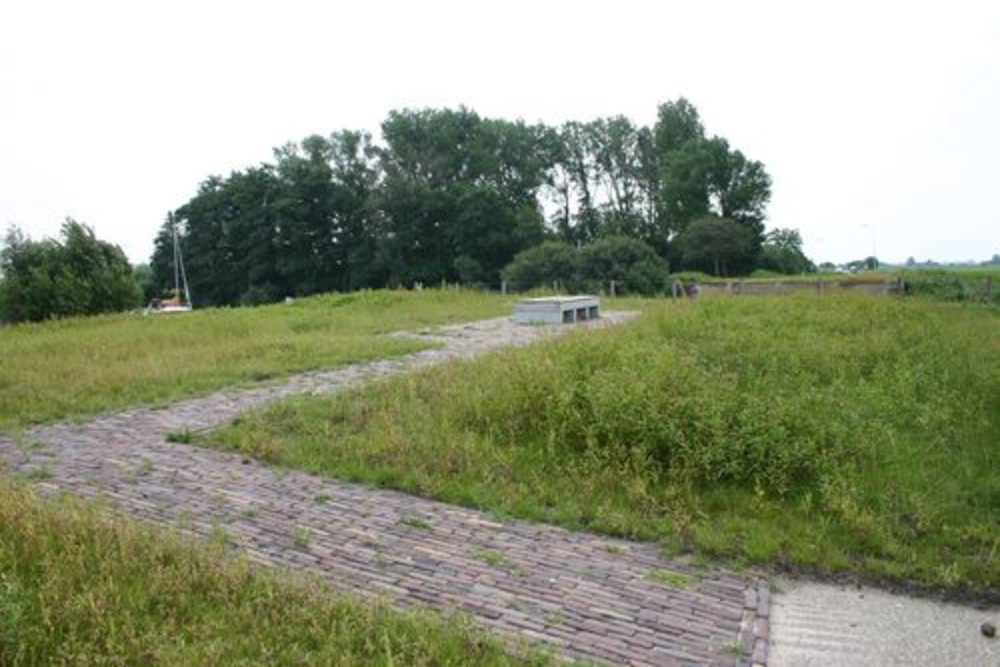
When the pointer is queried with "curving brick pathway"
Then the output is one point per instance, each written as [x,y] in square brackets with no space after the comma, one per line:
[584,595]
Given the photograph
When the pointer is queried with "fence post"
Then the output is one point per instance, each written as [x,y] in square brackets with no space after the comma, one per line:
[503,287]
[612,289]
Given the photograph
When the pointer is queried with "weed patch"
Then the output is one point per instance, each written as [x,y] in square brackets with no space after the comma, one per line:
[677,580]
[497,560]
[415,522]
[182,436]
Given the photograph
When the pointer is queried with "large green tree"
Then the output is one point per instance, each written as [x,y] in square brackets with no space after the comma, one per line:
[459,194]
[229,237]
[76,275]
[782,253]
[717,245]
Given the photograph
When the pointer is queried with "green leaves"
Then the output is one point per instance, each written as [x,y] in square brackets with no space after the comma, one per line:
[782,253]
[716,245]
[450,196]
[79,275]
[633,265]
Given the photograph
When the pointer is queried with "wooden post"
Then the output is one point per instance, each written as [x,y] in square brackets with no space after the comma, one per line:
[503,287]
[612,289]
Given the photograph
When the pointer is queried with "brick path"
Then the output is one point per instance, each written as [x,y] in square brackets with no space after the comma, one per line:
[584,595]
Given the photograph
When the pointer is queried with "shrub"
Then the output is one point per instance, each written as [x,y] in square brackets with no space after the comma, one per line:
[543,265]
[953,285]
[258,295]
[633,265]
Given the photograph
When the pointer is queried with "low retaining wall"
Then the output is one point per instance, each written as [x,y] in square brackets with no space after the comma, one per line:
[751,287]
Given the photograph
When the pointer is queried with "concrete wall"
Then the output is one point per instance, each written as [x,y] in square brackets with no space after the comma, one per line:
[752,287]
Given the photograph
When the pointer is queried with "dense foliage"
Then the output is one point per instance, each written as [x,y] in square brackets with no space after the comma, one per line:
[835,432]
[447,195]
[965,285]
[718,246]
[782,253]
[79,275]
[631,265]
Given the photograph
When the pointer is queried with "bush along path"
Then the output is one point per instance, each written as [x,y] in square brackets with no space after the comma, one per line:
[582,595]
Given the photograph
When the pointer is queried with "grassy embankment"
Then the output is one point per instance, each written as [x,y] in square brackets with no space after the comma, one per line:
[82,366]
[78,588]
[837,433]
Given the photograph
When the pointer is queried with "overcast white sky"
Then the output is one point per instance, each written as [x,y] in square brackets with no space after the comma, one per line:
[878,121]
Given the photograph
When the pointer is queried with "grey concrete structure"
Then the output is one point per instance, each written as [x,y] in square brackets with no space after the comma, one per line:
[557,310]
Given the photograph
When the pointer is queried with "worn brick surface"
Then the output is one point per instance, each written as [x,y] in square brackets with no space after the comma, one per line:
[584,595]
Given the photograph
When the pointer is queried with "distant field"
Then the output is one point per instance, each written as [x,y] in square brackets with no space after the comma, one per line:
[80,587]
[835,433]
[82,366]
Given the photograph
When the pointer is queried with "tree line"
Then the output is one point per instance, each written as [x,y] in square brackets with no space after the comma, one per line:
[447,195]
[444,195]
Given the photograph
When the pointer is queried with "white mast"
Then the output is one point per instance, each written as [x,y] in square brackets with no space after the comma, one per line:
[179,273]
[177,249]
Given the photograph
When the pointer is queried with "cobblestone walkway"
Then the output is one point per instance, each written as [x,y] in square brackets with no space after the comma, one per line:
[584,595]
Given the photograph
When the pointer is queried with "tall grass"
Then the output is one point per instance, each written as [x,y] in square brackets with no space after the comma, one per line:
[839,433]
[976,285]
[80,587]
[82,366]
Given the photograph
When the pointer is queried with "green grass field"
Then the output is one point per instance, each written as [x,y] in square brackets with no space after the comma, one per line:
[840,433]
[79,587]
[82,366]
[835,434]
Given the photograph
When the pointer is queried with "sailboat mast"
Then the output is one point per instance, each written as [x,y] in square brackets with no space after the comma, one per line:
[177,273]
[184,278]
